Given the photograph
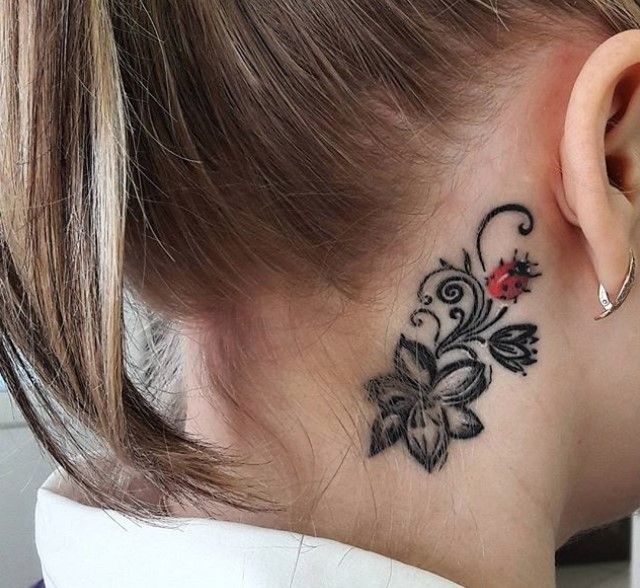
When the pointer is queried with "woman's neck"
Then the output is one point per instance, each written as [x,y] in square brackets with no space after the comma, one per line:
[298,412]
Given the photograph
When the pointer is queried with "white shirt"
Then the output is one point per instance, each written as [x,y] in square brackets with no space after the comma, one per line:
[82,546]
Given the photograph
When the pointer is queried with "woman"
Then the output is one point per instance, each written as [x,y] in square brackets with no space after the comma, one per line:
[366,240]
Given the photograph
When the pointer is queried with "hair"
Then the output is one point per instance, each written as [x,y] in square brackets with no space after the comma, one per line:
[188,151]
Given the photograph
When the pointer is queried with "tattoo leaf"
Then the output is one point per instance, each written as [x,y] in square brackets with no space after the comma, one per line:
[467,261]
[462,422]
[427,436]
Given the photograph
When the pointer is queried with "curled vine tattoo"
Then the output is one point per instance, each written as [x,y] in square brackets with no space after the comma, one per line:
[425,399]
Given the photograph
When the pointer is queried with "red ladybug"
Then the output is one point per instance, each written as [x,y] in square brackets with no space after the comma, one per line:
[509,280]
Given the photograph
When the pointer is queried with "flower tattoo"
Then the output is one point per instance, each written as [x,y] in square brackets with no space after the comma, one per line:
[424,405]
[512,347]
[425,399]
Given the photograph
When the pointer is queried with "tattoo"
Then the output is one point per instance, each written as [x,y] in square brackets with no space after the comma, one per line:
[425,399]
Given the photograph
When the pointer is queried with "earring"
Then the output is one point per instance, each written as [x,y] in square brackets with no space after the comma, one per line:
[627,286]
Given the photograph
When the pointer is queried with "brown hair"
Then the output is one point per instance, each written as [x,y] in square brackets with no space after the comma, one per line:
[193,150]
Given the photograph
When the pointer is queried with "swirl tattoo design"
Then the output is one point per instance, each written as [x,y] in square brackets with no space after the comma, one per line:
[438,373]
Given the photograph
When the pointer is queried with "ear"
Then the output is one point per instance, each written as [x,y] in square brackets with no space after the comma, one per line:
[600,155]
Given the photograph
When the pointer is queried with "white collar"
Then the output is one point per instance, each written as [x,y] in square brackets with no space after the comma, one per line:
[82,546]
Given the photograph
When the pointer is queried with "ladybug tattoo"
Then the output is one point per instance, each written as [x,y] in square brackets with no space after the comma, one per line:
[511,279]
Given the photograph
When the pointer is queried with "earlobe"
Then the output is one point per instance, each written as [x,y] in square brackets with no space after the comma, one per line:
[600,156]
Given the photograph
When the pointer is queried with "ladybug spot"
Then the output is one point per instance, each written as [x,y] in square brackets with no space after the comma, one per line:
[518,284]
[505,288]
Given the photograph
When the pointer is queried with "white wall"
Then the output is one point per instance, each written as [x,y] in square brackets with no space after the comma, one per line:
[22,471]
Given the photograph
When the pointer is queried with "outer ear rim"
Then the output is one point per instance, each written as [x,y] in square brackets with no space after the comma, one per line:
[588,200]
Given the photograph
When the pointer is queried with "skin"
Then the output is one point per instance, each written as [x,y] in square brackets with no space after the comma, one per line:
[560,451]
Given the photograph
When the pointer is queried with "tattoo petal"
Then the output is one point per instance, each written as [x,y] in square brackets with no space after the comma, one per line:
[392,395]
[462,422]
[427,436]
[385,432]
[415,362]
[461,382]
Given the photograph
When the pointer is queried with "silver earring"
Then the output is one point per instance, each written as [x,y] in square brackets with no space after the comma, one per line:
[629,281]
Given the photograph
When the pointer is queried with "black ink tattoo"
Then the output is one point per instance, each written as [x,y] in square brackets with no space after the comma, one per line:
[425,399]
